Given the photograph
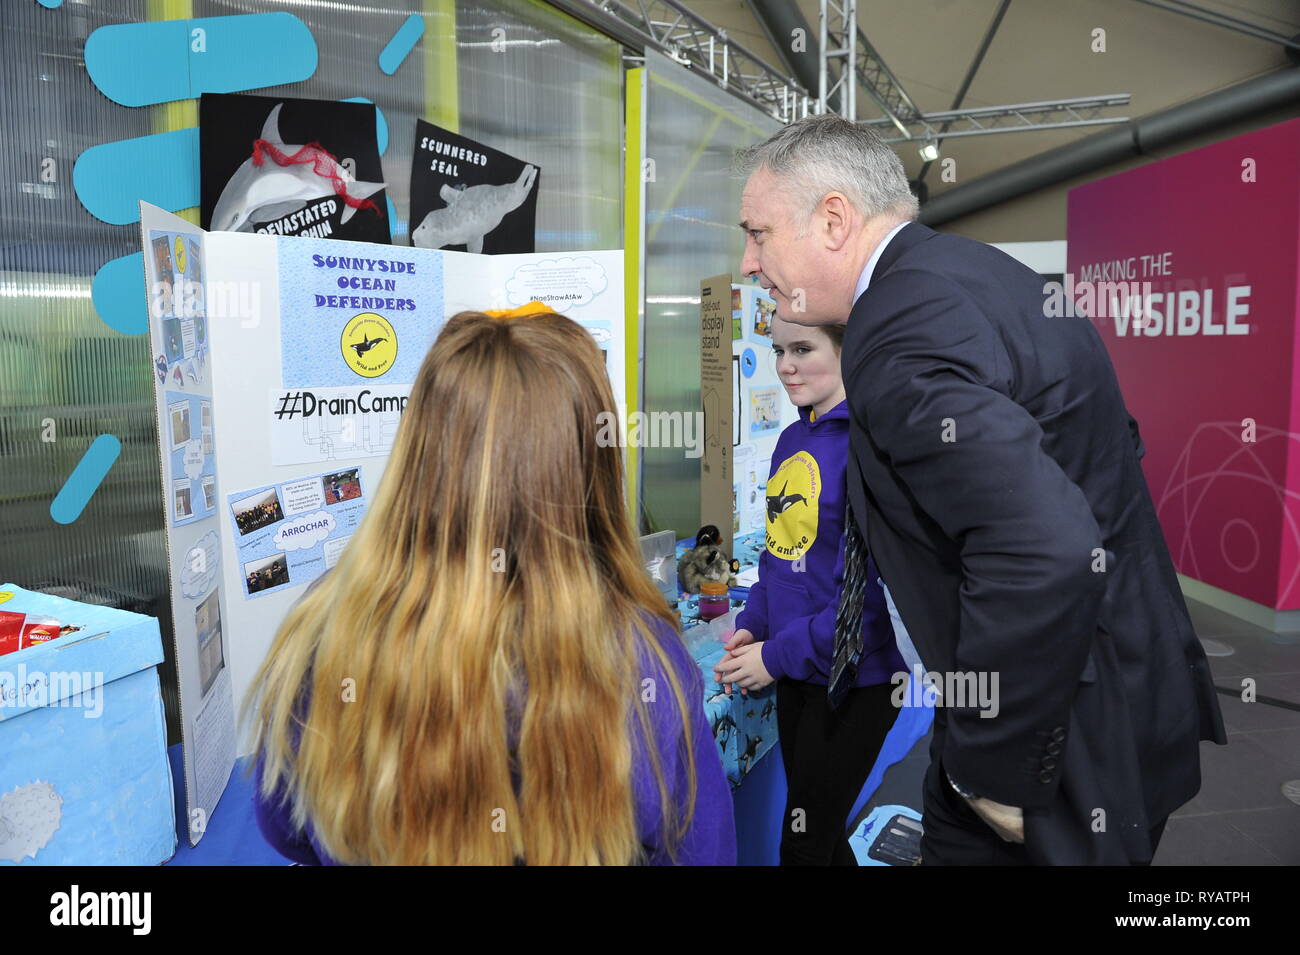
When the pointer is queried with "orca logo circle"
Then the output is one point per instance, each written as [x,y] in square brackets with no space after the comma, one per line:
[748,363]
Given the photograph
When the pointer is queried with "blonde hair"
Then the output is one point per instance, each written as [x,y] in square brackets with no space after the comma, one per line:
[495,618]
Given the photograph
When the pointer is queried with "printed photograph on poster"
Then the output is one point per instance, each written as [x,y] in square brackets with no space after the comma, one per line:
[737,315]
[195,262]
[470,197]
[764,309]
[292,532]
[257,511]
[182,499]
[764,410]
[180,415]
[207,628]
[173,339]
[205,425]
[759,310]
[284,166]
[162,259]
[342,486]
[266,573]
[190,459]
[188,288]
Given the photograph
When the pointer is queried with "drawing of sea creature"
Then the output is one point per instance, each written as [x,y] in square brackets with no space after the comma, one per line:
[471,213]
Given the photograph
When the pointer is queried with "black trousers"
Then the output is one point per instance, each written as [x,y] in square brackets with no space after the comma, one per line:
[956,835]
[828,756]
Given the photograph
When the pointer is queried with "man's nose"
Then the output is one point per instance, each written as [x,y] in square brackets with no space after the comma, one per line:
[749,262]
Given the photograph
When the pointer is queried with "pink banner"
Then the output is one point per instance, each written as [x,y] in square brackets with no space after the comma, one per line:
[1188,268]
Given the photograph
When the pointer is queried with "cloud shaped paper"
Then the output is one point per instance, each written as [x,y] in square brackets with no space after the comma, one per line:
[304,533]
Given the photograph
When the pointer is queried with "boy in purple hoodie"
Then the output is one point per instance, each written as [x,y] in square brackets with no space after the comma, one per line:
[786,633]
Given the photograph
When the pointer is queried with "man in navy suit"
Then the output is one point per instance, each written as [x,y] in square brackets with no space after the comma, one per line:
[994,474]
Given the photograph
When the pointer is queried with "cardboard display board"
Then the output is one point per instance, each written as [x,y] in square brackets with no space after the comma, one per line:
[745,406]
[295,359]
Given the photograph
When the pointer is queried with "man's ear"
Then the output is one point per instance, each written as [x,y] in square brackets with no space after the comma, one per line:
[837,220]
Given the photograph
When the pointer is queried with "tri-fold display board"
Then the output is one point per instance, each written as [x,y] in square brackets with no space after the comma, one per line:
[282,368]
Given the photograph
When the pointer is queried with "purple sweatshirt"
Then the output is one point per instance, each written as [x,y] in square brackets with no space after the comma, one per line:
[711,838]
[792,607]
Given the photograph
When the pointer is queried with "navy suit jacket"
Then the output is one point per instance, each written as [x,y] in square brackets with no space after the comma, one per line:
[994,471]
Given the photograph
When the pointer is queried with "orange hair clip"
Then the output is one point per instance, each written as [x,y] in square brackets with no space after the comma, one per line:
[529,308]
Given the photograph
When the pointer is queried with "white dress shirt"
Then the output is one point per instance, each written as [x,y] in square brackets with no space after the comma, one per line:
[865,278]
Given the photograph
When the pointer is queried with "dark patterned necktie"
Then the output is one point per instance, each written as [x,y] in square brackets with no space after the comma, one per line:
[848,618]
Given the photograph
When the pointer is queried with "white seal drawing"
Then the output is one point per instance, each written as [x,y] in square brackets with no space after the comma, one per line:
[471,213]
[269,190]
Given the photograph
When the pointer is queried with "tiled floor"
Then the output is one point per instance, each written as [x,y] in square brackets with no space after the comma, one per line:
[1240,816]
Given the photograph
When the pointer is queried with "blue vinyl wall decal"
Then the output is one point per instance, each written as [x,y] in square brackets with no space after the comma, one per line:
[111,179]
[142,64]
[85,479]
[402,43]
[118,294]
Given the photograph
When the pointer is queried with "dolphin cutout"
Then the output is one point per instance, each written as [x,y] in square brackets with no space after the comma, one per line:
[261,193]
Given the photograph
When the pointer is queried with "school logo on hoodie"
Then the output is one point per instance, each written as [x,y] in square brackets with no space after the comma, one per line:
[792,495]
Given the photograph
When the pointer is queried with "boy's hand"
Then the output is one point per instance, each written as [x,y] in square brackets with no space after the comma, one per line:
[744,667]
[739,639]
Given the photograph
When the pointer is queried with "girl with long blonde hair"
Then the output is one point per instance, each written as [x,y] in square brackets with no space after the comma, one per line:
[488,675]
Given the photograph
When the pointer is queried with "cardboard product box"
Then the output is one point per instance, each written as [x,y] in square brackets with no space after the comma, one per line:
[717,496]
[84,777]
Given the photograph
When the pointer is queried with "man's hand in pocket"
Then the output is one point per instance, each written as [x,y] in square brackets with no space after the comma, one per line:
[1007,821]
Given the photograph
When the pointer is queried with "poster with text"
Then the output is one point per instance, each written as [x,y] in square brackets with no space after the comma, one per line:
[284,166]
[288,534]
[354,329]
[469,197]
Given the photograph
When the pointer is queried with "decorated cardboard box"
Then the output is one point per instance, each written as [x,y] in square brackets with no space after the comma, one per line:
[84,778]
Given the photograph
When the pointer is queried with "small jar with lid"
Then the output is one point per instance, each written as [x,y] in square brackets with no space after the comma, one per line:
[714,601]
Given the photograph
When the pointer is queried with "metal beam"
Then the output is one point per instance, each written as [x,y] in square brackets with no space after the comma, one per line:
[669,27]
[837,26]
[1210,112]
[1222,20]
[1016,118]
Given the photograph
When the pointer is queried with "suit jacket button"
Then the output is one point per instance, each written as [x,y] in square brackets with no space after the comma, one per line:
[1044,777]
[1053,748]
[1049,762]
[1058,734]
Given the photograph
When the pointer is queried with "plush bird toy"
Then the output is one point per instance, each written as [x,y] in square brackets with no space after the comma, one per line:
[706,561]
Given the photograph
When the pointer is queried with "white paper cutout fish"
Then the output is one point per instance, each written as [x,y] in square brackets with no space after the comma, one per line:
[470,214]
[269,191]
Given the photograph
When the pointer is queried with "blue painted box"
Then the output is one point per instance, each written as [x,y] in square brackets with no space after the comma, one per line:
[84,777]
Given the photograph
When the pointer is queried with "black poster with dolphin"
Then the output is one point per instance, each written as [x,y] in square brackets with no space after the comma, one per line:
[469,197]
[284,166]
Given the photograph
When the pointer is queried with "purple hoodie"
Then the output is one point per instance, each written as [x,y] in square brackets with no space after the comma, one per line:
[711,838]
[792,607]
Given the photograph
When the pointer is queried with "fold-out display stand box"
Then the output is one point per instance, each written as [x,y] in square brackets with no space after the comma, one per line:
[84,778]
